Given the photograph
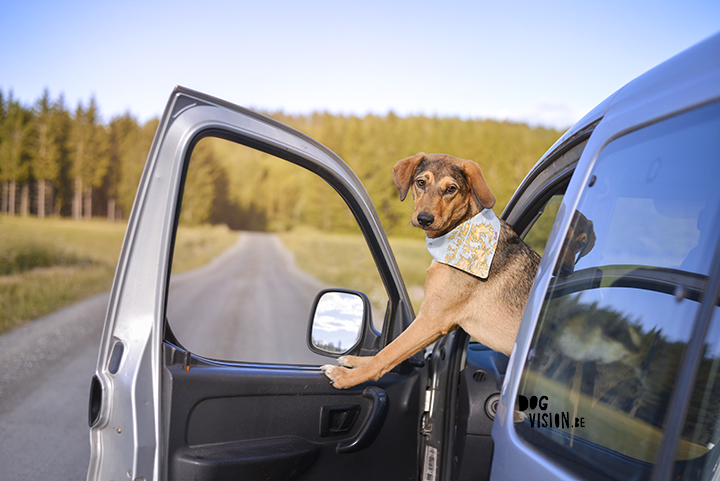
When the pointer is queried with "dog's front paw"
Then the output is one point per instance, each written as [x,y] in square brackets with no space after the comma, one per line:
[340,377]
[354,361]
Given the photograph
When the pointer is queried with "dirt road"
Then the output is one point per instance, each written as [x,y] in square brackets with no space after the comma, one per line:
[250,303]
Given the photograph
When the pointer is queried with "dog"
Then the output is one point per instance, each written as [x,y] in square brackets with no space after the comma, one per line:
[449,192]
[579,241]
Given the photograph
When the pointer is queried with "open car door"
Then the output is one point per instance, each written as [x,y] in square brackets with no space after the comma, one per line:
[167,403]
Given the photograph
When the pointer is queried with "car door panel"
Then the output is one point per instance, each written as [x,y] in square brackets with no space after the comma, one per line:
[159,412]
[279,422]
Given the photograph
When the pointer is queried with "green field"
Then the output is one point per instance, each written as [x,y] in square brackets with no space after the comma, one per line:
[51,263]
[343,260]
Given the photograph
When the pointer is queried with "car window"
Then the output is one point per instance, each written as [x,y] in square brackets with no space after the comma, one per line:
[538,234]
[702,425]
[293,237]
[614,324]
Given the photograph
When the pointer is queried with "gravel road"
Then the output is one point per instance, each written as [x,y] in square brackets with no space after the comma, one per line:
[250,303]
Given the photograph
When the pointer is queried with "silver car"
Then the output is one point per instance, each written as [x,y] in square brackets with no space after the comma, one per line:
[615,365]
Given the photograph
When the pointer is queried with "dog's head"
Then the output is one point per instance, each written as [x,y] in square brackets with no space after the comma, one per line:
[446,190]
[578,242]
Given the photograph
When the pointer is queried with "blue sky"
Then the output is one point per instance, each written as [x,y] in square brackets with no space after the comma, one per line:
[539,62]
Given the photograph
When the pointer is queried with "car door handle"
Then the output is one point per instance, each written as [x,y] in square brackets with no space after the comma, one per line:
[369,429]
[338,420]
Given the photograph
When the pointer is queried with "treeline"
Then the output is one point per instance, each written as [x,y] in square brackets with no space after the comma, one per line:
[54,161]
[254,190]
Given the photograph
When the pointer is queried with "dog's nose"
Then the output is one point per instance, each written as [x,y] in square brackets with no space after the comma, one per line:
[563,270]
[425,219]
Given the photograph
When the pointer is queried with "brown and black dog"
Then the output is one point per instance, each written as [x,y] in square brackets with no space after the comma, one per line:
[448,191]
[578,242]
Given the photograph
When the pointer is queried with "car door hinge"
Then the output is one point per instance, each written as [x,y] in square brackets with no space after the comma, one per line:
[425,424]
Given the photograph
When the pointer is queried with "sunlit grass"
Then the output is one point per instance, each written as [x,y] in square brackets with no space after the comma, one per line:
[51,263]
[40,291]
[195,246]
[344,260]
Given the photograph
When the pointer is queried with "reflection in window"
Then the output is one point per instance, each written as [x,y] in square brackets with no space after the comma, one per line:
[337,325]
[294,236]
[539,233]
[611,334]
[702,423]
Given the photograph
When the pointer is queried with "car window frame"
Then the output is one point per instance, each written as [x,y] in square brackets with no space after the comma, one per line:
[132,395]
[688,371]
[396,318]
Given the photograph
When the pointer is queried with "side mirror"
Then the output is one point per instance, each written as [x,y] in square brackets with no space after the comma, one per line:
[337,321]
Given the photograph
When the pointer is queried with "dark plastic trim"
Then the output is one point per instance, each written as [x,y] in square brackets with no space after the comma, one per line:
[95,403]
[372,424]
[686,377]
[276,458]
[116,357]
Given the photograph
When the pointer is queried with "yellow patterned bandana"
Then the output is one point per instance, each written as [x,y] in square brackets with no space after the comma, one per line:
[470,246]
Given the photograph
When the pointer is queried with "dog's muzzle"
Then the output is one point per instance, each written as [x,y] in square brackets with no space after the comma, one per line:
[425,219]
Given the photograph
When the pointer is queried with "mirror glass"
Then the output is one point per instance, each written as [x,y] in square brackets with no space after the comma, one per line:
[337,323]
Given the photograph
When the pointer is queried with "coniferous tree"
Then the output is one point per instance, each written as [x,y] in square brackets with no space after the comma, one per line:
[15,151]
[79,142]
[3,179]
[119,131]
[90,158]
[134,151]
[60,130]
[45,154]
[199,194]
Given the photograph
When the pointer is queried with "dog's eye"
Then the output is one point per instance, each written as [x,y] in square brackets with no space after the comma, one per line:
[420,182]
[451,189]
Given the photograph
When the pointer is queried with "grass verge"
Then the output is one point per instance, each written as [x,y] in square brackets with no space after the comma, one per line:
[51,263]
[195,246]
[47,264]
[344,260]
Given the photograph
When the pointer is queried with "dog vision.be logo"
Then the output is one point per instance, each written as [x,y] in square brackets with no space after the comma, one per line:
[545,418]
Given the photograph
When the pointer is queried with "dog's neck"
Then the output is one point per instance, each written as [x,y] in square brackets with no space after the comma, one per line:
[470,246]
[471,212]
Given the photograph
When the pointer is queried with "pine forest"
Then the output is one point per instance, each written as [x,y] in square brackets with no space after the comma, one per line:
[58,161]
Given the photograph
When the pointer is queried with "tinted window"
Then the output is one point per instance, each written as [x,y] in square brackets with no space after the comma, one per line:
[613,326]
[538,234]
[702,424]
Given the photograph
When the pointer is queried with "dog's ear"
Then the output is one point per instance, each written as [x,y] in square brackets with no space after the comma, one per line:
[403,173]
[583,225]
[590,240]
[481,192]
